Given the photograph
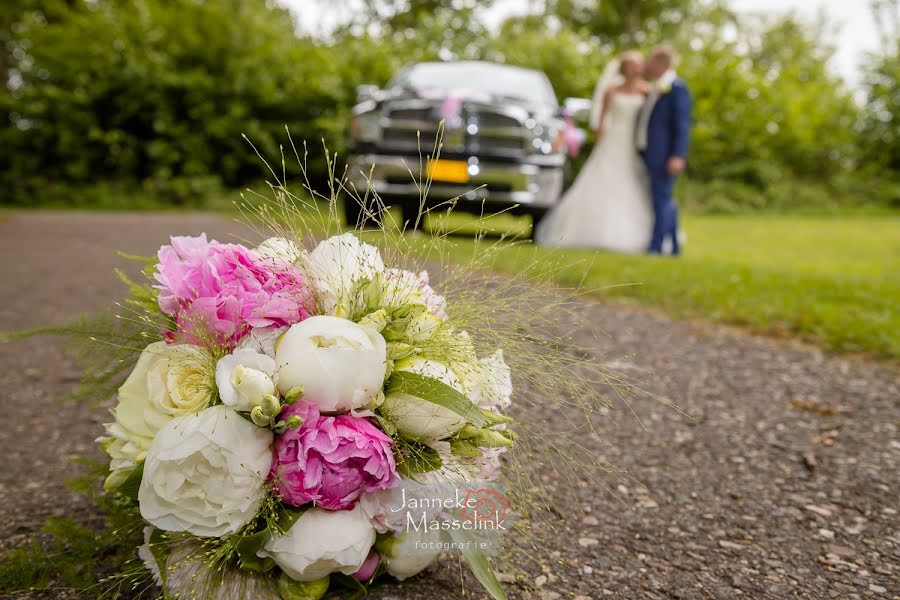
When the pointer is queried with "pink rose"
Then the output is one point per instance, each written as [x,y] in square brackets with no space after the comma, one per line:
[218,292]
[331,460]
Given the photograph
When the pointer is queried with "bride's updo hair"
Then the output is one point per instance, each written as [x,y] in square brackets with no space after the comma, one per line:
[630,59]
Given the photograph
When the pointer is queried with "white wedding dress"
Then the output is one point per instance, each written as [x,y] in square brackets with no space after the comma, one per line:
[608,205]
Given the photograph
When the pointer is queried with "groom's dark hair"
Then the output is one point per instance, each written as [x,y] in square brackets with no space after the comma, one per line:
[664,51]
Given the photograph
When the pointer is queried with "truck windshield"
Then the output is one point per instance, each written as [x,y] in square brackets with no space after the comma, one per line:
[498,80]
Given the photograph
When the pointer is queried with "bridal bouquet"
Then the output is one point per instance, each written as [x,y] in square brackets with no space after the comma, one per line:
[296,404]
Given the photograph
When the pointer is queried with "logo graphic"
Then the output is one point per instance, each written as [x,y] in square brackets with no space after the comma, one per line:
[486,508]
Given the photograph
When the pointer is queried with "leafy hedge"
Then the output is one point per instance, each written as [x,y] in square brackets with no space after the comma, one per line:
[155,96]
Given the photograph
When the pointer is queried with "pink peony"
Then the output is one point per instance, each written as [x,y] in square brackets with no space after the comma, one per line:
[218,292]
[331,460]
[368,568]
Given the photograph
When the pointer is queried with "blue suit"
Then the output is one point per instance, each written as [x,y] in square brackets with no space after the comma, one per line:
[668,134]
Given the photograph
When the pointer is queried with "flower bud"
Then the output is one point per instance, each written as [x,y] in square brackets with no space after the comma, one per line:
[376,321]
[270,406]
[293,394]
[294,421]
[373,291]
[494,418]
[399,350]
[258,418]
[289,589]
[489,438]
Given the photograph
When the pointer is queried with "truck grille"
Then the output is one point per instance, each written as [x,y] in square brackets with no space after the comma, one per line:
[481,130]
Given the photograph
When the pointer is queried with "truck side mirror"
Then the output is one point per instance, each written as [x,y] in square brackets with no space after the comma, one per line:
[366,92]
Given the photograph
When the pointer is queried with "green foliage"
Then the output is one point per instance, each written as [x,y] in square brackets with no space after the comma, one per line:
[765,104]
[881,118]
[69,554]
[478,563]
[154,96]
[629,22]
[436,392]
[160,93]
[826,280]
[415,458]
[571,62]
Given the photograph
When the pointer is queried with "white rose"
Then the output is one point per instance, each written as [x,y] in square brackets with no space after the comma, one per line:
[262,339]
[420,419]
[410,553]
[205,473]
[168,381]
[280,248]
[336,266]
[244,377]
[322,542]
[341,365]
[125,449]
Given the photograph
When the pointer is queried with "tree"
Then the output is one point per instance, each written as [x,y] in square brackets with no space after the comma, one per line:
[161,91]
[624,23]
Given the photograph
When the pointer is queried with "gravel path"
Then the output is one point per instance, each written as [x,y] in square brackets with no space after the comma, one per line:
[783,485]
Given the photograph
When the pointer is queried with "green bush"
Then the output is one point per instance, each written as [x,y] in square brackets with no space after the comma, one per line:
[155,97]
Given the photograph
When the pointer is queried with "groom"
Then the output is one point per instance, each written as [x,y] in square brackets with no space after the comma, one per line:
[663,130]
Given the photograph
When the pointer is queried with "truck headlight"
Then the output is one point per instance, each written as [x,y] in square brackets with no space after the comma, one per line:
[365,126]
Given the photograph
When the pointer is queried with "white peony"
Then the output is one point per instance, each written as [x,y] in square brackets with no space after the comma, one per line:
[280,248]
[341,365]
[205,473]
[168,381]
[389,511]
[336,266]
[383,508]
[322,542]
[490,384]
[262,339]
[244,377]
[405,287]
[410,553]
[459,471]
[420,419]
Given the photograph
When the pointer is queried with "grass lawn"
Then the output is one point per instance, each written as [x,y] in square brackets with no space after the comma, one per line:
[834,281]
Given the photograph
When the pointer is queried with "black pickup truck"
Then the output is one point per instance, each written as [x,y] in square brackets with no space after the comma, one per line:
[504,145]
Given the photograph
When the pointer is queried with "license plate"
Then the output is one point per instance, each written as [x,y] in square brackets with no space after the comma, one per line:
[453,171]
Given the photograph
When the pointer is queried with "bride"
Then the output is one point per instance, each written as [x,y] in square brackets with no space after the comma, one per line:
[608,205]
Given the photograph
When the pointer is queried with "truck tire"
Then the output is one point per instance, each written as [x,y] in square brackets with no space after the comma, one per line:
[352,213]
[412,220]
[536,217]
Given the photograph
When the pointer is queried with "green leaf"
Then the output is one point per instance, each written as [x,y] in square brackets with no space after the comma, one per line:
[417,458]
[250,544]
[465,449]
[132,485]
[437,392]
[352,589]
[158,546]
[478,563]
